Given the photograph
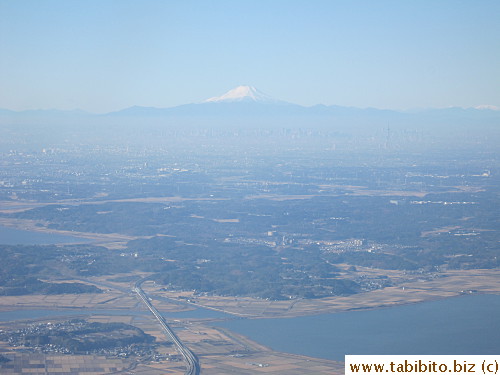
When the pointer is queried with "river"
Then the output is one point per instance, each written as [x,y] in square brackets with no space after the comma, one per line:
[461,325]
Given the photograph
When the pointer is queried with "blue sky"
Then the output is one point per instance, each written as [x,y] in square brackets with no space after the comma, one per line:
[104,55]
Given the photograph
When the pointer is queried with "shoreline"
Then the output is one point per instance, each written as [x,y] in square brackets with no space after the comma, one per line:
[456,284]
[110,240]
[234,316]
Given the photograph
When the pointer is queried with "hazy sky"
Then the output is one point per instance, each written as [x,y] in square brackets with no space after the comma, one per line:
[104,55]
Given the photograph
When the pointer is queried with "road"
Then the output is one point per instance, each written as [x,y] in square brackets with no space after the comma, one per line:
[192,364]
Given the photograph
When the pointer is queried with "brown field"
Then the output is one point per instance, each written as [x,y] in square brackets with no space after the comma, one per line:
[226,220]
[108,300]
[34,364]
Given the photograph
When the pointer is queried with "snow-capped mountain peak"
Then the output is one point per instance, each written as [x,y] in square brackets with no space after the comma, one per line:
[242,93]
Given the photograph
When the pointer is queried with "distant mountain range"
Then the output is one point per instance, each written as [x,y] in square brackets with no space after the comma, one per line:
[248,98]
[246,118]
[246,103]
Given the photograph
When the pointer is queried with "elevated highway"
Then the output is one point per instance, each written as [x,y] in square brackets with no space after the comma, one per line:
[192,364]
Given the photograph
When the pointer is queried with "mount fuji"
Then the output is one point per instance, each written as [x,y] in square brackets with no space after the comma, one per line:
[244,94]
[241,101]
